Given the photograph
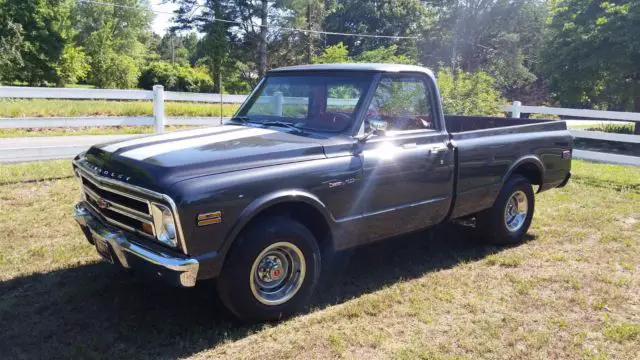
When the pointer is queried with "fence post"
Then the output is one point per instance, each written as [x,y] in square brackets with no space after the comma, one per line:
[515,109]
[158,108]
[277,103]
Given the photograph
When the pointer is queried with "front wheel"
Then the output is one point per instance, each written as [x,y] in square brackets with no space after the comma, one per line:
[510,217]
[271,271]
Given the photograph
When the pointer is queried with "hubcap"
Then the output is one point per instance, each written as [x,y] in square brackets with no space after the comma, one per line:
[515,212]
[277,273]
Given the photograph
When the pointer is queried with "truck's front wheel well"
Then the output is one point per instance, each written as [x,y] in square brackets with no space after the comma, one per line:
[304,213]
[531,172]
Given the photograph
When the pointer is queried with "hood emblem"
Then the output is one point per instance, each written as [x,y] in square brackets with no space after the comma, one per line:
[100,171]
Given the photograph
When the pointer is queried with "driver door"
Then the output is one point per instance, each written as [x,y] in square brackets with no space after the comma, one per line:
[407,178]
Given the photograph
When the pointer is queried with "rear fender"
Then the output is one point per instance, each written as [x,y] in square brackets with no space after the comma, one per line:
[526,160]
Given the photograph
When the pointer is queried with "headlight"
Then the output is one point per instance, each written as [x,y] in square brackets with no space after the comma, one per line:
[165,225]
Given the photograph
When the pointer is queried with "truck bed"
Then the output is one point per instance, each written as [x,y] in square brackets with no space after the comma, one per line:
[488,148]
[461,124]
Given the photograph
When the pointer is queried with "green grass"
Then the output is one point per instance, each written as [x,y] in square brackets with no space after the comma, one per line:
[34,171]
[109,130]
[570,292]
[17,108]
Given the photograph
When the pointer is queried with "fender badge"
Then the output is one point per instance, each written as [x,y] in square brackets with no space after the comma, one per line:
[210,218]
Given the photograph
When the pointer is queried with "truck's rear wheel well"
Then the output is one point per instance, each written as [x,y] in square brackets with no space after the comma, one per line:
[531,172]
[304,213]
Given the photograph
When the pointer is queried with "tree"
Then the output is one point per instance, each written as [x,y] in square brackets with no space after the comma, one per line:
[110,68]
[11,44]
[36,33]
[114,37]
[339,53]
[468,93]
[335,54]
[177,48]
[72,66]
[382,17]
[499,37]
[592,54]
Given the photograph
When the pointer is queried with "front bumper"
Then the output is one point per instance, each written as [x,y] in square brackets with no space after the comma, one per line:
[128,251]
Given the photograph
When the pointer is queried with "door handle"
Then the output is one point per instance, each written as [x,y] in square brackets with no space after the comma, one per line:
[409,146]
[438,149]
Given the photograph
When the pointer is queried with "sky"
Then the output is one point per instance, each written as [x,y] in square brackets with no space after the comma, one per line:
[162,21]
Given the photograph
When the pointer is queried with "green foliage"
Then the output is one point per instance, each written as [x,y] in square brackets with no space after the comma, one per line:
[11,44]
[334,54]
[180,49]
[592,53]
[469,93]
[616,128]
[385,55]
[382,17]
[72,66]
[175,78]
[339,53]
[36,31]
[110,69]
[114,39]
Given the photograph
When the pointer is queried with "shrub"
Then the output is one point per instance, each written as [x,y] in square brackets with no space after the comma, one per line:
[469,94]
[616,128]
[175,78]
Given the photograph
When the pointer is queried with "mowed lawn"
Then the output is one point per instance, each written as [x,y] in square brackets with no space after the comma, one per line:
[571,291]
[22,108]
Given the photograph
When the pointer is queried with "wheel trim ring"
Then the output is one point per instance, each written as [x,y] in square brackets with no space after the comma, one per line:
[290,286]
[515,212]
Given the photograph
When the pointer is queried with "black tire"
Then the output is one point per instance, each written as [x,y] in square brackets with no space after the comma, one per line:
[492,222]
[234,282]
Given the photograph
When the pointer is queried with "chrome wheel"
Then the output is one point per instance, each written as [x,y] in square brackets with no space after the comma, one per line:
[277,273]
[516,210]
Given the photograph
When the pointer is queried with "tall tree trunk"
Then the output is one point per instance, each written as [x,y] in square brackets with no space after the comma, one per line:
[637,109]
[309,34]
[262,48]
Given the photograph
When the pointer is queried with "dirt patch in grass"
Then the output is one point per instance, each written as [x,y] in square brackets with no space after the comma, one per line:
[569,292]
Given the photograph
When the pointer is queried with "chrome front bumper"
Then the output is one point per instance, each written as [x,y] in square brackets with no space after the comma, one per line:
[127,250]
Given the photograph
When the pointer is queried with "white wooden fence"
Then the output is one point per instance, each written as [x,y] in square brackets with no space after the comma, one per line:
[516,109]
[157,95]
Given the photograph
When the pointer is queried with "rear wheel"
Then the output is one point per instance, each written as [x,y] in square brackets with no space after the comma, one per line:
[271,271]
[510,217]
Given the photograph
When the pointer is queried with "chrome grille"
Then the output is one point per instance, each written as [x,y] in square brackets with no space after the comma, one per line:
[118,208]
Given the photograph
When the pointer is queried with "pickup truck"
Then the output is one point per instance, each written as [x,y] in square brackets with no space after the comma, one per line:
[318,159]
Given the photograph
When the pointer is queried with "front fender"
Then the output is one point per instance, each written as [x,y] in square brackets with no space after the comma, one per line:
[268,200]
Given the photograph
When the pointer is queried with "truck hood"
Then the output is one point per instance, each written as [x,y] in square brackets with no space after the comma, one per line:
[156,162]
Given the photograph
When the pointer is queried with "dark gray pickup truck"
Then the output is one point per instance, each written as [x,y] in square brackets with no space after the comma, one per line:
[319,158]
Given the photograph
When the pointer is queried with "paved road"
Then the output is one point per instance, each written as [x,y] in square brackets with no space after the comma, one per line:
[66,147]
[48,148]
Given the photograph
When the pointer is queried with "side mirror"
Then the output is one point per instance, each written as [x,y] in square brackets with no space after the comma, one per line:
[376,127]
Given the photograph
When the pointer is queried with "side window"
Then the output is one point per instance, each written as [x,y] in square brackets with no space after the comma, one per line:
[401,103]
[342,97]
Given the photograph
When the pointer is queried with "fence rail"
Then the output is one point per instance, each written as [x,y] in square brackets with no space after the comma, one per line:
[516,109]
[157,95]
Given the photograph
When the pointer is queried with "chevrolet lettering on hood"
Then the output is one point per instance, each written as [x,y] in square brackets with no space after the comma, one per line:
[106,173]
[318,158]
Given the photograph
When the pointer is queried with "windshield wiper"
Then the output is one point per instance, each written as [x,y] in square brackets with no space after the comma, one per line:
[240,118]
[267,122]
[279,123]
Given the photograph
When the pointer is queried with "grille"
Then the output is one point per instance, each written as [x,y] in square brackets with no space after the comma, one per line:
[123,210]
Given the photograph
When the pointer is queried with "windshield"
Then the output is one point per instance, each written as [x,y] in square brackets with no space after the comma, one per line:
[321,102]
